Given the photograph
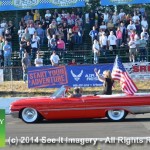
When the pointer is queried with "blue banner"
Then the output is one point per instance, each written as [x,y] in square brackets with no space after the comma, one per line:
[6,5]
[121,2]
[73,76]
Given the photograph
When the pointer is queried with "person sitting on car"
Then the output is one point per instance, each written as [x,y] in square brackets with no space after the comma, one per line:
[77,92]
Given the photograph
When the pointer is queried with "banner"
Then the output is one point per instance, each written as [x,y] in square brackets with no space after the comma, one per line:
[1,76]
[6,5]
[2,128]
[73,76]
[139,70]
[121,2]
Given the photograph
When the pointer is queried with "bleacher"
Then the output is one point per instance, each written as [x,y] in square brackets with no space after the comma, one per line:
[82,53]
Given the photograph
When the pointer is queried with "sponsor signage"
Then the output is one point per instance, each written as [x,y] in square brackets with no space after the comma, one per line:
[2,128]
[73,76]
[39,4]
[121,2]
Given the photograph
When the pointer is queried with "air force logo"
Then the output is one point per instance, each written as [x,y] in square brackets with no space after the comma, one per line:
[78,76]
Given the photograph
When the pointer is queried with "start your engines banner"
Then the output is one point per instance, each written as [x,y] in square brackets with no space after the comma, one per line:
[6,5]
[73,76]
[121,2]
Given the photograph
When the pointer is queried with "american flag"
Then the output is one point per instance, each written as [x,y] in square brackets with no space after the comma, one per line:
[119,73]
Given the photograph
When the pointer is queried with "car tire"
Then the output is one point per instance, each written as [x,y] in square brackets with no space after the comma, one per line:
[116,115]
[30,115]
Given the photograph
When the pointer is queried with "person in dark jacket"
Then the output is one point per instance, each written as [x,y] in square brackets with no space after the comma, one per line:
[107,81]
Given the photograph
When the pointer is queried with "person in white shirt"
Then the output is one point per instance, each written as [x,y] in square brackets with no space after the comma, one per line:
[103,43]
[48,14]
[132,49]
[38,61]
[135,17]
[31,30]
[145,34]
[96,50]
[131,27]
[144,23]
[20,33]
[54,58]
[122,15]
[112,42]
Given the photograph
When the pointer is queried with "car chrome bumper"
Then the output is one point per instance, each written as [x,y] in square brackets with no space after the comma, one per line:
[15,114]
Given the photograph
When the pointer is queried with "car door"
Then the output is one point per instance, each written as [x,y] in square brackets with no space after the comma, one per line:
[94,107]
[66,108]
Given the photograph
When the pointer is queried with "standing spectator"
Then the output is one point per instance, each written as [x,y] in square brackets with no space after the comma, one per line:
[8,37]
[25,64]
[65,29]
[106,17]
[144,23]
[142,49]
[1,31]
[53,43]
[115,18]
[75,30]
[48,15]
[20,33]
[1,51]
[96,51]
[135,18]
[119,37]
[23,23]
[36,16]
[22,43]
[112,42]
[122,15]
[130,28]
[27,17]
[70,37]
[40,33]
[38,61]
[103,27]
[35,45]
[93,34]
[54,58]
[26,35]
[11,27]
[132,49]
[92,18]
[124,33]
[145,34]
[7,53]
[31,30]
[103,43]
[61,47]
[28,49]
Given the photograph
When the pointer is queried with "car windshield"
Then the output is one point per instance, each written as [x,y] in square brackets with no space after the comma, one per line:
[59,92]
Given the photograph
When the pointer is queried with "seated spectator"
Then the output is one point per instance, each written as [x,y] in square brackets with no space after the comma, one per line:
[54,59]
[38,61]
[73,62]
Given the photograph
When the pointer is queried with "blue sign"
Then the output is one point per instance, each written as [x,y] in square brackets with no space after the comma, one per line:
[73,76]
[6,5]
[121,2]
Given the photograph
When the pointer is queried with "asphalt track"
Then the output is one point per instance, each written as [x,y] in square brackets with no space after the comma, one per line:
[133,126]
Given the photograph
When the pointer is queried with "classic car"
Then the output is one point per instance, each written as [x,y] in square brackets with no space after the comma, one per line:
[59,106]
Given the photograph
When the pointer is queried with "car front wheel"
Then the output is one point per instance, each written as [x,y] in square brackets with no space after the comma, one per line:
[116,115]
[29,115]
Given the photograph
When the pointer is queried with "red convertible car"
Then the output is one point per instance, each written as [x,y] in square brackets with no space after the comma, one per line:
[58,106]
